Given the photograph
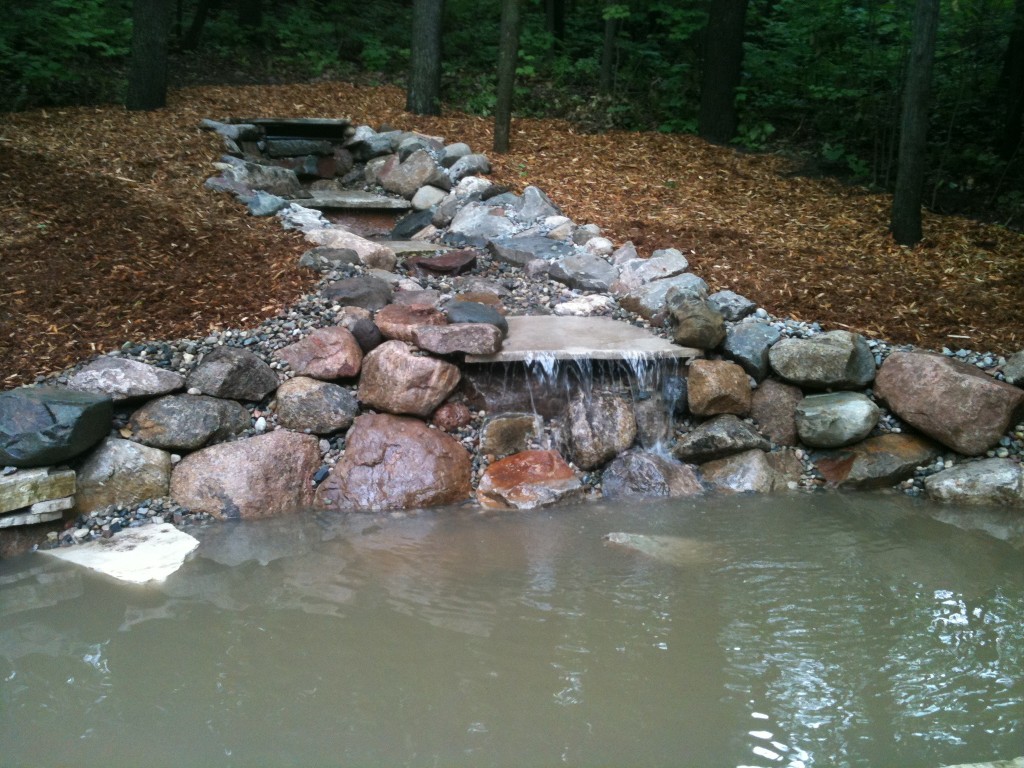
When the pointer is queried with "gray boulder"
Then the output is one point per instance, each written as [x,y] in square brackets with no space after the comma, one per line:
[310,405]
[583,271]
[536,205]
[833,360]
[697,324]
[748,343]
[1013,371]
[363,291]
[718,437]
[475,312]
[641,475]
[520,251]
[420,169]
[324,259]
[651,300]
[752,471]
[478,222]
[40,426]
[601,426]
[732,306]
[469,165]
[453,152]
[989,481]
[233,373]
[773,407]
[121,472]
[634,273]
[125,379]
[187,422]
[878,462]
[836,419]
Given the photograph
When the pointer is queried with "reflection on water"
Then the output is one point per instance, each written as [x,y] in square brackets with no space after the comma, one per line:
[825,631]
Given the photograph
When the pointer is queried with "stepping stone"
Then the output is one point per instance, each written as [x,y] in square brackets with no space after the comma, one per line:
[451,263]
[354,200]
[137,555]
[532,337]
[414,247]
[302,127]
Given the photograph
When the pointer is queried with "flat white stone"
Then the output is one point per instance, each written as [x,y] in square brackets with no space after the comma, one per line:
[535,337]
[29,518]
[138,555]
[355,199]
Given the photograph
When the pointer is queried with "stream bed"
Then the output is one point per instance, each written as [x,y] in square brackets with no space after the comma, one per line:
[795,630]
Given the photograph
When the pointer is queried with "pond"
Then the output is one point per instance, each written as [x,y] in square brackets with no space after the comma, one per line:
[797,630]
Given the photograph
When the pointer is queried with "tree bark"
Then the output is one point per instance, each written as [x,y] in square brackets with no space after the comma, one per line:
[723,63]
[554,14]
[1011,81]
[906,204]
[508,55]
[424,94]
[147,74]
[611,31]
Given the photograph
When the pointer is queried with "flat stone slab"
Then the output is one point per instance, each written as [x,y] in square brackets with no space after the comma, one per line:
[355,200]
[137,555]
[533,337]
[414,247]
[302,127]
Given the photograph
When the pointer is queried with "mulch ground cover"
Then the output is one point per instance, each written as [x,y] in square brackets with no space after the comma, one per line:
[107,234]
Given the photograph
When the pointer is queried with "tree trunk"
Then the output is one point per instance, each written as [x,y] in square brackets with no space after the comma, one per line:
[554,16]
[723,62]
[195,30]
[1011,82]
[507,58]
[906,204]
[424,95]
[611,31]
[147,74]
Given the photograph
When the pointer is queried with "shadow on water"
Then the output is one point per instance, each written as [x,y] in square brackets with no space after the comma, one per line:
[792,630]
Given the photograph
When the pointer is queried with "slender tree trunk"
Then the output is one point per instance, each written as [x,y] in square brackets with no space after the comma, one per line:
[1011,81]
[424,94]
[508,55]
[611,31]
[554,15]
[147,75]
[195,29]
[906,205]
[723,63]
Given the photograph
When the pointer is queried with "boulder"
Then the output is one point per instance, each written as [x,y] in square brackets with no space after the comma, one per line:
[124,379]
[718,437]
[835,419]
[40,426]
[528,480]
[397,463]
[952,402]
[323,259]
[478,222]
[367,143]
[475,312]
[680,551]
[121,472]
[28,487]
[451,416]
[363,291]
[260,476]
[427,296]
[310,405]
[535,204]
[373,255]
[747,344]
[833,360]
[233,373]
[419,169]
[400,321]
[509,433]
[469,165]
[583,271]
[642,475]
[469,338]
[187,422]
[601,426]
[878,462]
[327,353]
[989,481]
[450,263]
[453,152]
[752,471]
[697,324]
[655,419]
[636,273]
[398,381]
[1013,370]
[650,299]
[731,305]
[717,386]
[520,251]
[773,407]
[367,335]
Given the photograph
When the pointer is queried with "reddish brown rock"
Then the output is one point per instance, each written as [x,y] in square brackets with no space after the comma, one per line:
[717,386]
[400,321]
[952,402]
[398,381]
[877,462]
[327,353]
[451,416]
[258,477]
[392,462]
[450,263]
[773,407]
[527,480]
[482,297]
[470,338]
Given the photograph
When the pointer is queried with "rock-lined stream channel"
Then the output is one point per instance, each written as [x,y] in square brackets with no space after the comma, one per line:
[466,343]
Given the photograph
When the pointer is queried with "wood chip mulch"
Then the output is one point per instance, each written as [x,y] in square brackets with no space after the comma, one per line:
[107,234]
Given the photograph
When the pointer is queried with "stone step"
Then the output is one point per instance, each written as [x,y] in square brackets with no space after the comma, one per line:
[302,127]
[40,512]
[413,247]
[354,200]
[29,486]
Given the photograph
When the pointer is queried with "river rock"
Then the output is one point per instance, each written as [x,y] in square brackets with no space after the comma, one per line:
[260,476]
[833,360]
[451,416]
[469,338]
[989,481]
[310,405]
[583,271]
[471,189]
[419,169]
[327,353]
[601,426]
[450,263]
[679,551]
[649,300]
[719,437]
[187,422]
[475,312]
[747,344]
[520,251]
[586,306]
[323,259]
[40,426]
[878,462]
[363,291]
[469,165]
[773,407]
[731,305]
[952,402]
[478,222]
[400,321]
[1013,371]
[697,324]
[752,471]
[536,205]
[373,255]
[636,273]
[233,373]
[642,475]
[121,472]
[367,334]
[528,480]
[509,433]
[397,463]
[453,152]
[835,419]
[124,379]
[367,143]
[717,386]
[398,381]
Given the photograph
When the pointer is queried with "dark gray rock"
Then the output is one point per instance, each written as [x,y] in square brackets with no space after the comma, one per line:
[475,312]
[731,305]
[367,334]
[640,475]
[410,224]
[233,373]
[297,147]
[40,426]
[454,152]
[833,360]
[748,343]
[367,144]
[520,251]
[363,291]
[469,165]
[306,404]
[718,437]
[187,422]
[264,204]
[583,271]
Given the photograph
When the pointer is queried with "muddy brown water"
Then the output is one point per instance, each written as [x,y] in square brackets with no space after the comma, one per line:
[823,630]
